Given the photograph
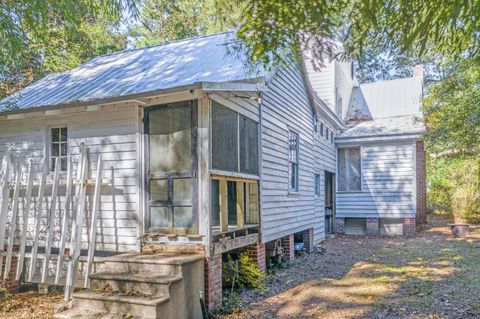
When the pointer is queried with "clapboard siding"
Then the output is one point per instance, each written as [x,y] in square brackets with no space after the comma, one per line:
[344,83]
[388,184]
[111,132]
[286,106]
[323,81]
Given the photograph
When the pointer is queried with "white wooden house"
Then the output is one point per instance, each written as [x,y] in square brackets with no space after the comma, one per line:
[203,154]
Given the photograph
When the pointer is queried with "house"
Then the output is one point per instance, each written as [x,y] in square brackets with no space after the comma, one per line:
[201,156]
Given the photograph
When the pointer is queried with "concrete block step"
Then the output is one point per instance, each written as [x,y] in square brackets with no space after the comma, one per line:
[147,284]
[154,263]
[118,304]
[80,314]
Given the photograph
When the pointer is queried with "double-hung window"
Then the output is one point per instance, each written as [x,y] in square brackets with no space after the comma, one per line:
[58,147]
[293,150]
[349,169]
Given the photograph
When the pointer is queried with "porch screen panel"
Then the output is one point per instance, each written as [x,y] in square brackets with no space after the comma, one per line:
[248,146]
[224,138]
[170,133]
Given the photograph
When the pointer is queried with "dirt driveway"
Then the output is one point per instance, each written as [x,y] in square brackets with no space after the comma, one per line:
[428,276]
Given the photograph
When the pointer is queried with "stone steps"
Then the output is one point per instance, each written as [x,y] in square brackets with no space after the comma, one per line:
[142,285]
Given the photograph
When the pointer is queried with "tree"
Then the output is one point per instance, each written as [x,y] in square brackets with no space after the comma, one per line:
[448,29]
[160,21]
[44,36]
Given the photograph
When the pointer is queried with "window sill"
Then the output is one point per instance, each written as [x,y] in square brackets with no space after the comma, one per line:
[349,192]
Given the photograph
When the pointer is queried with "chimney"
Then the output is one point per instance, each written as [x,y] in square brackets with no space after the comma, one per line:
[418,70]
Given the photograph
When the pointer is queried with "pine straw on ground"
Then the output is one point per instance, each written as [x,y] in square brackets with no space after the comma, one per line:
[430,275]
[29,305]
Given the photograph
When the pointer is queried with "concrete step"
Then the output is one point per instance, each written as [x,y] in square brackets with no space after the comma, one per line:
[146,284]
[136,306]
[152,263]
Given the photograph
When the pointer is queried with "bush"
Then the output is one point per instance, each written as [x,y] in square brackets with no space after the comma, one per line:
[242,273]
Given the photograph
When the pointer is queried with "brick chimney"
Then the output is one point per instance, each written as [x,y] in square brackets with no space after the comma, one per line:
[418,70]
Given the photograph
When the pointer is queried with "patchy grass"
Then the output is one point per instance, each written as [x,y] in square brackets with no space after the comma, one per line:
[428,276]
[29,305]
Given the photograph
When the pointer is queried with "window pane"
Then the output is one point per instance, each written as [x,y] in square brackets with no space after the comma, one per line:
[158,216]
[293,147]
[342,171]
[354,169]
[321,129]
[64,149]
[55,135]
[55,149]
[215,202]
[317,185]
[182,217]
[158,189]
[224,138]
[63,164]
[232,202]
[170,133]
[248,146]
[182,189]
[63,134]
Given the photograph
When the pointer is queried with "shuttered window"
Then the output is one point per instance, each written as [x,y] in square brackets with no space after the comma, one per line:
[293,141]
[349,169]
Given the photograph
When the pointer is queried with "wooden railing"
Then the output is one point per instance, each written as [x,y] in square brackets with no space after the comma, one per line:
[25,203]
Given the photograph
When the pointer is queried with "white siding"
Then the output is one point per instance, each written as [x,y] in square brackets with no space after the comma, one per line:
[323,81]
[388,183]
[286,106]
[344,84]
[110,132]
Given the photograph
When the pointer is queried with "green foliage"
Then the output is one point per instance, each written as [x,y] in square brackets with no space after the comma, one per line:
[230,302]
[40,37]
[160,21]
[242,273]
[454,187]
[416,27]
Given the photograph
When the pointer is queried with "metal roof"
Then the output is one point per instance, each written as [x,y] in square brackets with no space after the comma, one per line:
[395,125]
[213,58]
[391,98]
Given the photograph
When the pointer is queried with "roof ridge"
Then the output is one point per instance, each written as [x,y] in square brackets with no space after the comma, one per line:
[390,80]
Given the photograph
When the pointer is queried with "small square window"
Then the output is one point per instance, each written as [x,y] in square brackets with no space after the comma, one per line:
[59,147]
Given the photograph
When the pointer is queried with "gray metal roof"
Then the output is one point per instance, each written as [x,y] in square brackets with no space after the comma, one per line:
[213,58]
[395,125]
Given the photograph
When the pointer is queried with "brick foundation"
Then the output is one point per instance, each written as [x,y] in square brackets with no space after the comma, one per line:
[288,247]
[340,225]
[308,240]
[372,226]
[257,253]
[10,284]
[409,226]
[421,184]
[213,282]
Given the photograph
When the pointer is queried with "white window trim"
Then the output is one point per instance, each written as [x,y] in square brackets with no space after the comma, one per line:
[319,187]
[361,170]
[293,191]
[48,146]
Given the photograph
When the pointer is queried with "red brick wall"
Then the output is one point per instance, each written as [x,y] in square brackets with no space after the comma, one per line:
[213,282]
[257,253]
[288,247]
[308,240]
[10,284]
[421,184]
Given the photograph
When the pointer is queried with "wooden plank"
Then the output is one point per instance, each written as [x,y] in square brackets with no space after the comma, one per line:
[77,228]
[223,205]
[235,243]
[38,220]
[50,220]
[26,212]
[5,192]
[240,205]
[13,221]
[65,222]
[93,226]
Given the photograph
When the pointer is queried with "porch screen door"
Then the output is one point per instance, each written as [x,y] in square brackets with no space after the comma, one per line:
[172,161]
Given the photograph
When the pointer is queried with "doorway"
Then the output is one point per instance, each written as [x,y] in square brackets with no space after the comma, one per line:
[329,202]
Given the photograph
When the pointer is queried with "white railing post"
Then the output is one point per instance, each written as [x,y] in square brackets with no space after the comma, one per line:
[13,222]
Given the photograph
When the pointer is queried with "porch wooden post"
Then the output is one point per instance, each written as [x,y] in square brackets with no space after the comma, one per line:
[223,205]
[240,205]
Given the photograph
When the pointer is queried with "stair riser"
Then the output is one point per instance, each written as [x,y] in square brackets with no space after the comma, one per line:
[116,307]
[154,269]
[150,289]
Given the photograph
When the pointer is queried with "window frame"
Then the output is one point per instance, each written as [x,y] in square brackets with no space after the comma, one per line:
[337,176]
[321,129]
[315,123]
[318,183]
[296,188]
[49,149]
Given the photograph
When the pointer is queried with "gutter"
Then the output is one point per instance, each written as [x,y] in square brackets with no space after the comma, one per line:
[378,138]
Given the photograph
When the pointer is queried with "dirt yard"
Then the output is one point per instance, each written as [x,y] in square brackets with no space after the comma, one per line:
[427,276]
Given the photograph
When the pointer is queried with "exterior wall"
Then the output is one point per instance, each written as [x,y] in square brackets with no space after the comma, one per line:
[344,83]
[388,183]
[286,106]
[111,132]
[323,81]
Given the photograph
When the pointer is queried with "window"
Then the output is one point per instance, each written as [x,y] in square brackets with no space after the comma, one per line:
[327,134]
[234,141]
[331,137]
[315,123]
[58,147]
[293,161]
[349,169]
[317,185]
[321,129]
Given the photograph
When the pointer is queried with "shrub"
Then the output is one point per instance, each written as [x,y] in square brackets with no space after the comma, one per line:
[242,273]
